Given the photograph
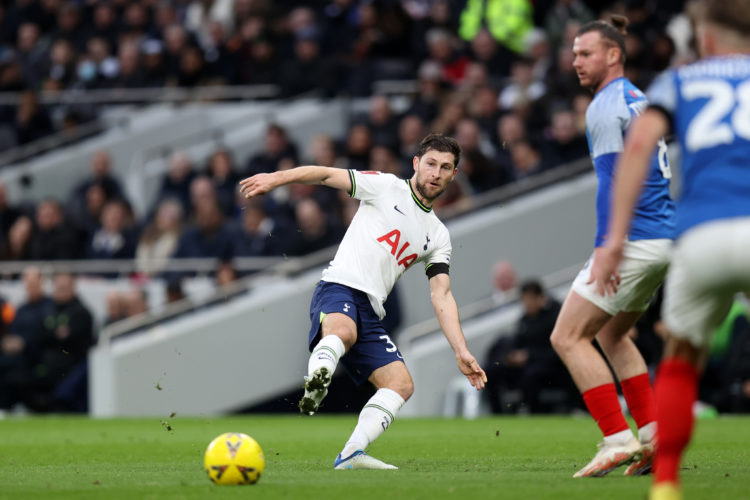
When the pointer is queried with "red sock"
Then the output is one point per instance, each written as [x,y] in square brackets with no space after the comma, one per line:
[605,408]
[640,398]
[676,389]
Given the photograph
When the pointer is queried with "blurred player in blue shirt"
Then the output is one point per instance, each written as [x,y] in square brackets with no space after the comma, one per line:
[707,106]
[599,58]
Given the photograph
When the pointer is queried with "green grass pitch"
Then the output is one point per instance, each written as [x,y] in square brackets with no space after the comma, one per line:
[493,457]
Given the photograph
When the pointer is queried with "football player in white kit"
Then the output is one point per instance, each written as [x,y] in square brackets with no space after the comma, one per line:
[707,106]
[393,229]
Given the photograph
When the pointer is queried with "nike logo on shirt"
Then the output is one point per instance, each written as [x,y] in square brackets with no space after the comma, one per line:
[395,207]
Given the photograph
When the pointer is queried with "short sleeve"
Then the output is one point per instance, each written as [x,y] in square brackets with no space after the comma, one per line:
[606,130]
[662,92]
[367,184]
[440,257]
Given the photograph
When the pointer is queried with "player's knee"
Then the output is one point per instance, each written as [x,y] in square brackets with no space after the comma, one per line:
[347,336]
[405,389]
[561,340]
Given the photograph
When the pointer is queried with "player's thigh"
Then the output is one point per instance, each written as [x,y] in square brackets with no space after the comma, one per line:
[616,328]
[394,376]
[642,270]
[340,325]
[579,319]
[710,265]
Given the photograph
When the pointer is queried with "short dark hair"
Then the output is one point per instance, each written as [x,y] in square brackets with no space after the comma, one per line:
[441,143]
[612,31]
[533,287]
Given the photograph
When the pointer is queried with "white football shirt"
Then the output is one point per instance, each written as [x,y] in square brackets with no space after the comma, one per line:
[390,232]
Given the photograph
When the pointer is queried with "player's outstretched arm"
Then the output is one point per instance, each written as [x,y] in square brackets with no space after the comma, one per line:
[447,315]
[631,170]
[327,176]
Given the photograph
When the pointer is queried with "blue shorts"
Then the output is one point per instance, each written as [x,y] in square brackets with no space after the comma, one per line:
[373,348]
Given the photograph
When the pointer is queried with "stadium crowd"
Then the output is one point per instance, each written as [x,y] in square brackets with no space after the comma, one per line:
[499,79]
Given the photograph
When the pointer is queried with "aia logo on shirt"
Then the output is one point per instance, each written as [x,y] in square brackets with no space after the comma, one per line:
[393,240]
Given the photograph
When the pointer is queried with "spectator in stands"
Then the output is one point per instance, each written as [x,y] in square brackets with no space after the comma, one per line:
[88,219]
[32,121]
[484,110]
[276,146]
[59,380]
[259,234]
[61,70]
[224,177]
[316,230]
[441,46]
[115,238]
[101,175]
[54,238]
[207,236]
[507,20]
[159,239]
[559,15]
[192,71]
[523,90]
[17,246]
[153,63]
[426,104]
[527,160]
[176,184]
[526,361]
[104,24]
[564,143]
[306,70]
[496,58]
[32,52]
[130,73]
[382,122]
[260,65]
[562,80]
[452,112]
[411,129]
[503,282]
[19,348]
[97,66]
[322,151]
[481,172]
[358,145]
[382,159]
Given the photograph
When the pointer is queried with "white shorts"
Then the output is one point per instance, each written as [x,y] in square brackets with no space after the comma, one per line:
[710,265]
[642,270]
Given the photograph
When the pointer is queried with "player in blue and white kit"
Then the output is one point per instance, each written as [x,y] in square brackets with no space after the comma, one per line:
[707,106]
[393,229]
[599,57]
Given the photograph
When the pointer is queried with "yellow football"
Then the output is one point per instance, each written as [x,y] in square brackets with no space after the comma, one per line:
[234,458]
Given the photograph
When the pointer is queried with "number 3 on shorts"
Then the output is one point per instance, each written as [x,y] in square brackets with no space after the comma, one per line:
[391,346]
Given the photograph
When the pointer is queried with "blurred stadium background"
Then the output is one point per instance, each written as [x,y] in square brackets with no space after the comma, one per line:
[125,126]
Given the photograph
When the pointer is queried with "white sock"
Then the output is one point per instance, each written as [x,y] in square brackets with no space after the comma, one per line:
[621,437]
[647,433]
[374,419]
[326,353]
